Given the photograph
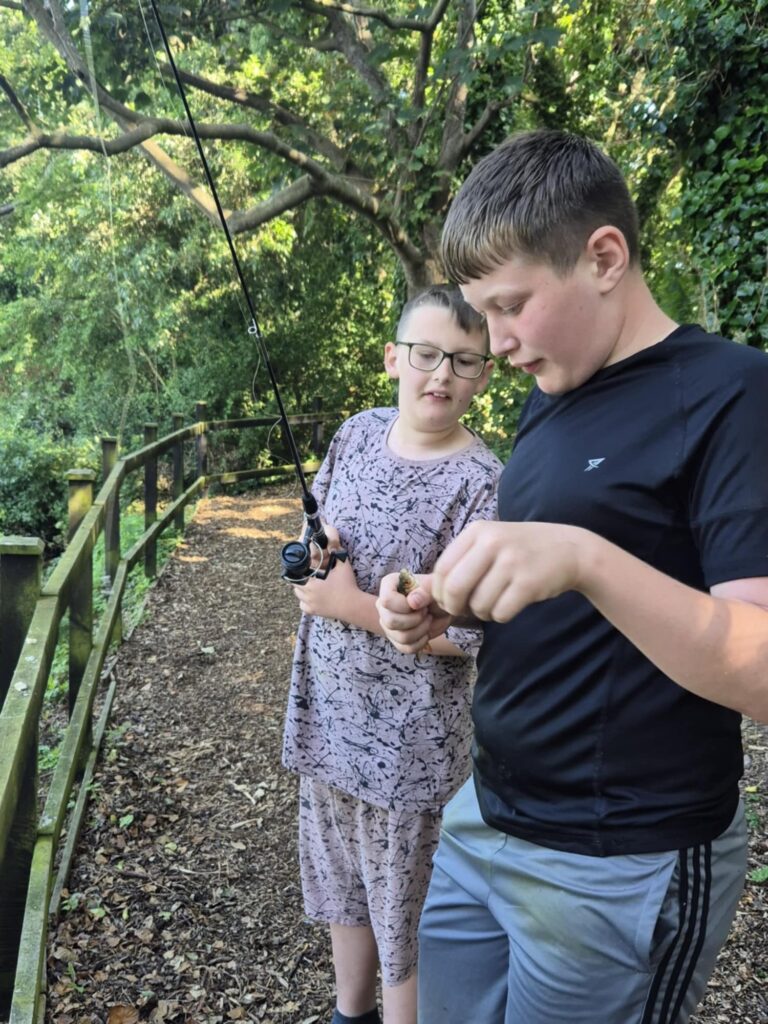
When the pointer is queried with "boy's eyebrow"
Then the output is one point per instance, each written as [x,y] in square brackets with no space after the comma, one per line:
[502,298]
[431,344]
[509,292]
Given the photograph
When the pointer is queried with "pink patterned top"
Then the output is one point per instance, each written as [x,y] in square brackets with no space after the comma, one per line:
[389,728]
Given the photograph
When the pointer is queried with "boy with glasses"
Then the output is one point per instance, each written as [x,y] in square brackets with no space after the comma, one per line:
[590,873]
[380,738]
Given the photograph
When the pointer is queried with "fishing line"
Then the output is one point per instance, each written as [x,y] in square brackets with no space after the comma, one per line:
[253,328]
[173,99]
[159,70]
[238,297]
[303,559]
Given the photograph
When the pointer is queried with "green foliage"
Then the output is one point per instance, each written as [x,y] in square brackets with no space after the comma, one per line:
[677,92]
[719,55]
[118,302]
[495,412]
[33,488]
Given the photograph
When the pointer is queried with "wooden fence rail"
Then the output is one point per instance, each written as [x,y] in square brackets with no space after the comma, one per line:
[33,868]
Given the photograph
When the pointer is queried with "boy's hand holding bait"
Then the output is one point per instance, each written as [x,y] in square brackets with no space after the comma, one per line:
[407,615]
[406,584]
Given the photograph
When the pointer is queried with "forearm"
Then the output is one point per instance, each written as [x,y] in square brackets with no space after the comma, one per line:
[359,610]
[714,647]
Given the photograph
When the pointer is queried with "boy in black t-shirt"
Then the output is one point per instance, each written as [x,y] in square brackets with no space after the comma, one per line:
[590,871]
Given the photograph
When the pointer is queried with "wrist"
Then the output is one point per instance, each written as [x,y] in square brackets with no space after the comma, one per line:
[346,606]
[589,552]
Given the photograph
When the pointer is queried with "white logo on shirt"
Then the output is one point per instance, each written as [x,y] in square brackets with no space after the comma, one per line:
[593,464]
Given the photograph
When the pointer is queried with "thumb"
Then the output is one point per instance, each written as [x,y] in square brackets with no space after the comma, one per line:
[421,597]
[334,540]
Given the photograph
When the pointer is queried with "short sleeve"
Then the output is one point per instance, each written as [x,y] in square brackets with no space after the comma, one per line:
[467,640]
[322,482]
[729,478]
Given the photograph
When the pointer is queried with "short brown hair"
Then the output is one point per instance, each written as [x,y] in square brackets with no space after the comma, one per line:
[445,296]
[539,195]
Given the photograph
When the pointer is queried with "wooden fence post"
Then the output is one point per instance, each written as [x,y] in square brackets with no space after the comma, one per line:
[20,577]
[81,600]
[178,472]
[109,450]
[150,501]
[201,414]
[316,443]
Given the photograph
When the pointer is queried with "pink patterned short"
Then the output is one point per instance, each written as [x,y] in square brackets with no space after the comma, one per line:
[363,865]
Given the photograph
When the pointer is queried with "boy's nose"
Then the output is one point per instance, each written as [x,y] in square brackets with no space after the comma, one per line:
[501,337]
[443,371]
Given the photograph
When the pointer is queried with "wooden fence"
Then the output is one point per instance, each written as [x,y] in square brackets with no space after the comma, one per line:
[33,863]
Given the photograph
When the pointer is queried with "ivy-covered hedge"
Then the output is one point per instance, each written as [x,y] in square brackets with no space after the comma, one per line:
[33,487]
[718,120]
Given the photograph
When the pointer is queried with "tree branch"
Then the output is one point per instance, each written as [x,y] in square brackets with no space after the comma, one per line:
[54,30]
[390,20]
[494,106]
[324,45]
[315,179]
[288,198]
[348,36]
[339,187]
[356,54]
[456,103]
[264,104]
[16,103]
[425,51]
[12,6]
[491,109]
[92,143]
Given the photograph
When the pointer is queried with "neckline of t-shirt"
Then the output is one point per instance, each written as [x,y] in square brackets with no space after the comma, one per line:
[420,462]
[651,353]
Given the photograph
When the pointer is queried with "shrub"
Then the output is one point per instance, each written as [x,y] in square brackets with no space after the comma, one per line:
[33,487]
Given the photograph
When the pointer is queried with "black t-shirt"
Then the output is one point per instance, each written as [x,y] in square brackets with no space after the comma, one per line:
[582,744]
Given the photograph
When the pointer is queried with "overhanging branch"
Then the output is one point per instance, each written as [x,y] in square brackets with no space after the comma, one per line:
[286,199]
[263,103]
[322,181]
[16,103]
[390,20]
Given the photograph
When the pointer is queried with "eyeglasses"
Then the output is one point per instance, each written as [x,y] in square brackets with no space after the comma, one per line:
[469,365]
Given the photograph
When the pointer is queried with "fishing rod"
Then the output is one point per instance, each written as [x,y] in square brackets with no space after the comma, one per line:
[297,557]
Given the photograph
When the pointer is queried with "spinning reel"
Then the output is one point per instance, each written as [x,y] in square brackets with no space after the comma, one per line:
[298,556]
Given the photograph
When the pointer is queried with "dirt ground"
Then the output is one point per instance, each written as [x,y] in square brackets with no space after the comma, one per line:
[184,902]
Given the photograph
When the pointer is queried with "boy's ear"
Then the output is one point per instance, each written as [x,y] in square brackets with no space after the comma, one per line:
[390,361]
[608,256]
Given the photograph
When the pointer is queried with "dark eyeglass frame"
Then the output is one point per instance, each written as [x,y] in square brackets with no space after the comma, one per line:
[411,345]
